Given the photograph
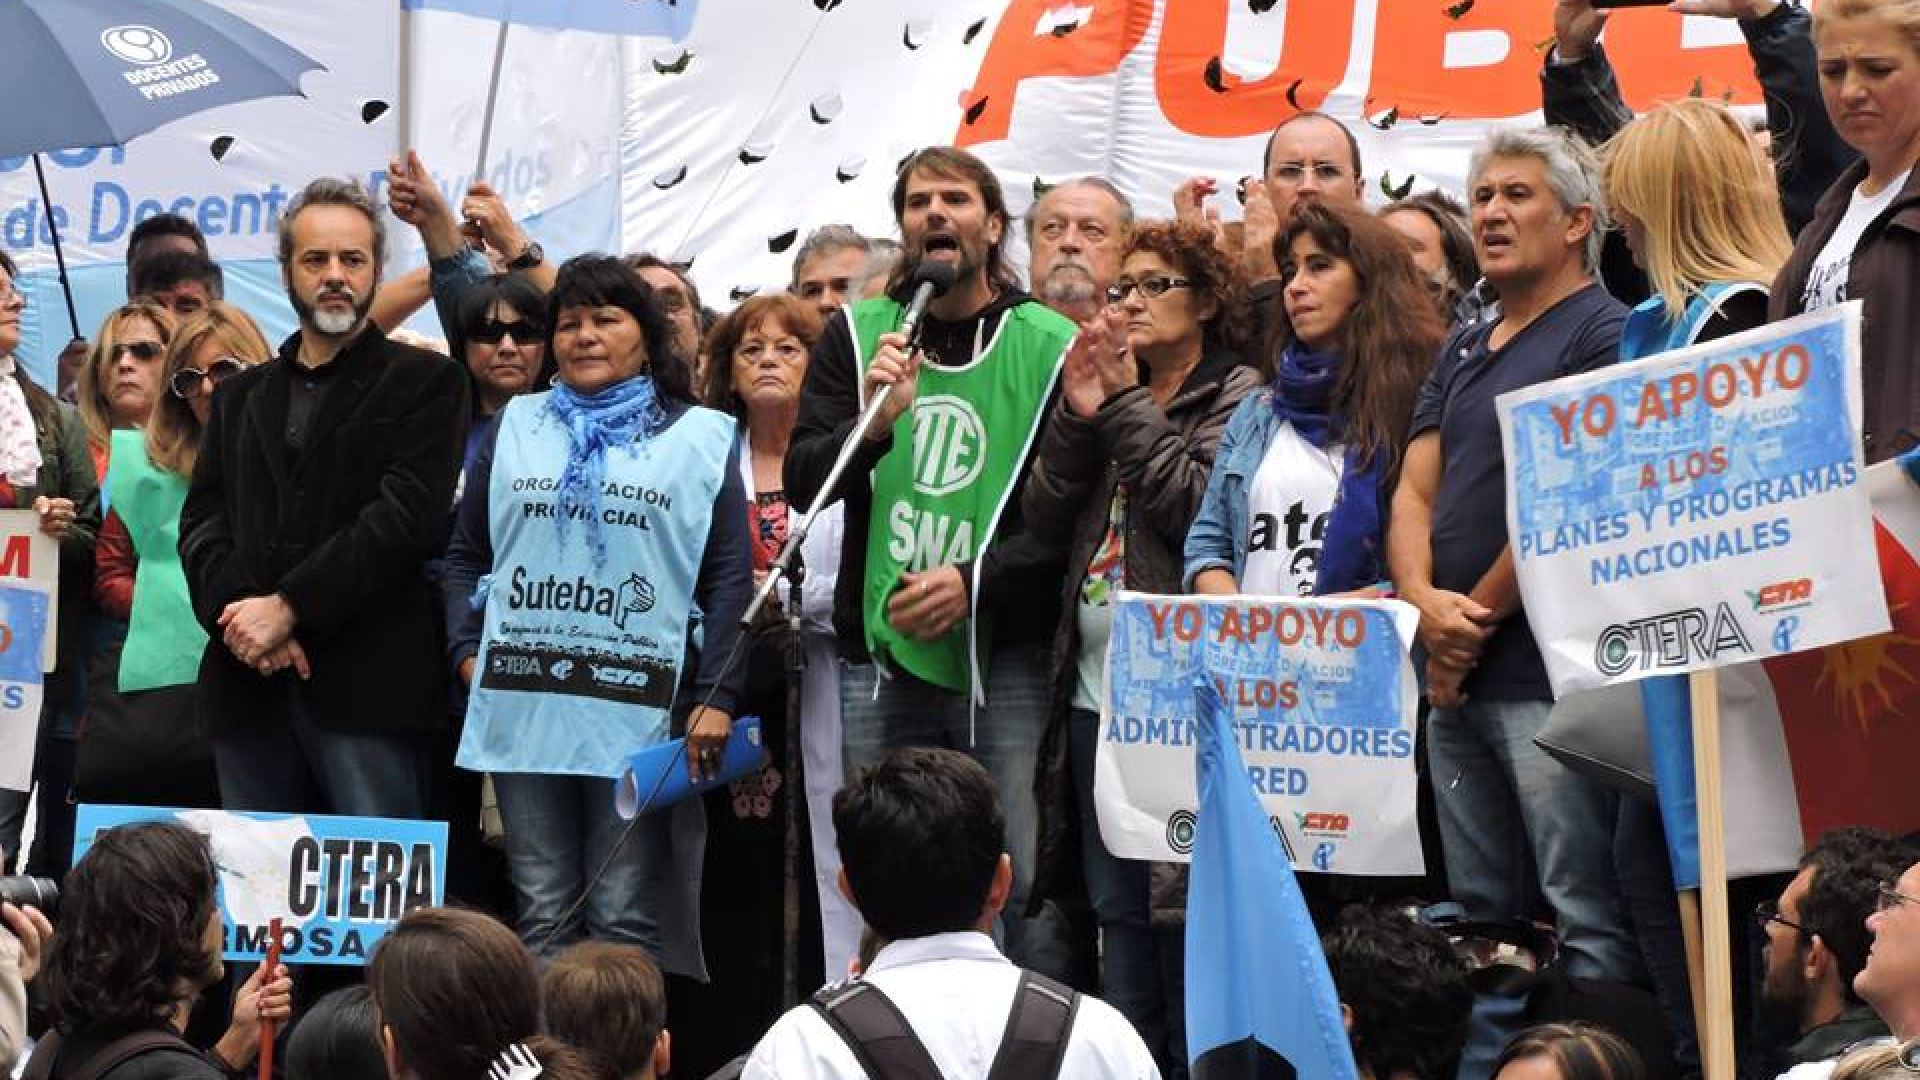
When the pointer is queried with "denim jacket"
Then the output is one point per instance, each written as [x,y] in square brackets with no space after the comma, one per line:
[1218,538]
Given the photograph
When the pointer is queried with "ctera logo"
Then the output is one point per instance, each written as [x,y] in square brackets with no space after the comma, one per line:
[1782,596]
[136,44]
[1676,639]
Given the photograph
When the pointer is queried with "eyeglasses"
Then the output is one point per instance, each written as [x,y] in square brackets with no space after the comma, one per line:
[493,330]
[141,350]
[186,382]
[1768,911]
[789,351]
[1293,172]
[1891,897]
[1152,288]
[10,296]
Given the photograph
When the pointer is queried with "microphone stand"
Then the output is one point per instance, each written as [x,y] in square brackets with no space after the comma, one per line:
[788,567]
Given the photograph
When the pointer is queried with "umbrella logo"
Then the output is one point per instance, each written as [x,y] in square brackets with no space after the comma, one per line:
[137,44]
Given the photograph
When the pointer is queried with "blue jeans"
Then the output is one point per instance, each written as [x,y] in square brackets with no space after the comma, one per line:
[296,768]
[560,830]
[1135,956]
[1506,807]
[1005,739]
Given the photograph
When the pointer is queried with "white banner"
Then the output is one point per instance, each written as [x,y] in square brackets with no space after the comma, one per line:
[25,623]
[32,558]
[1322,697]
[1695,509]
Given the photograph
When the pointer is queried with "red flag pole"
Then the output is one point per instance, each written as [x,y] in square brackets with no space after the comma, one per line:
[267,1027]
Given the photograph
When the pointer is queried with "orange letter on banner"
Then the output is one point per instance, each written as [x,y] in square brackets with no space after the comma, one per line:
[1313,52]
[1643,44]
[1018,52]
[1410,49]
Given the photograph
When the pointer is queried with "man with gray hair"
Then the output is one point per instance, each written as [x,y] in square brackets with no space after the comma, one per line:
[1076,231]
[321,491]
[1503,803]
[829,268]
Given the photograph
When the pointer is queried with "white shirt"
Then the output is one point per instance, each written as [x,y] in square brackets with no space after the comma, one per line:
[956,991]
[1827,278]
[1287,509]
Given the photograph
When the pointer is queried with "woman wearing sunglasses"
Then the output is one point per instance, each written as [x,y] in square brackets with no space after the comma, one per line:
[141,745]
[501,337]
[121,379]
[1145,391]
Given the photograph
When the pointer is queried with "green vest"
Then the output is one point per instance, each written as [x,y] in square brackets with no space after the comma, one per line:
[164,640]
[941,489]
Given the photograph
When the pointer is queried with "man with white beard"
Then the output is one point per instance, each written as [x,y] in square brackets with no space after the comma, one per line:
[322,488]
[1076,232]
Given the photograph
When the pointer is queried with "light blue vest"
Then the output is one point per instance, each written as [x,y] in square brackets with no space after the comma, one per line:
[579,664]
[1648,330]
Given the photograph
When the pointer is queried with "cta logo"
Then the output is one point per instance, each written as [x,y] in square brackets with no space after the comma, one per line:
[949,444]
[137,44]
[1676,639]
[1781,596]
[1322,823]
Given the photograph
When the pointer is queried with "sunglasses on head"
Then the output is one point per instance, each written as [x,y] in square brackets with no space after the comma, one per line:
[141,350]
[493,330]
[186,382]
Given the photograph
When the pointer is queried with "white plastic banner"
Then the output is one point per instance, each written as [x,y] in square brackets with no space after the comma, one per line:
[1695,509]
[1321,696]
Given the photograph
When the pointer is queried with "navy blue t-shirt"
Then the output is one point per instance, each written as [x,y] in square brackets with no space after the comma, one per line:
[1580,333]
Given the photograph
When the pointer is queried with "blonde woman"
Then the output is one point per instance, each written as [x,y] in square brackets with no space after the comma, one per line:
[1702,217]
[121,378]
[134,702]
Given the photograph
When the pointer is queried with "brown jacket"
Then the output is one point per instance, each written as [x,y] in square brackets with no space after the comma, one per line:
[1164,459]
[1885,272]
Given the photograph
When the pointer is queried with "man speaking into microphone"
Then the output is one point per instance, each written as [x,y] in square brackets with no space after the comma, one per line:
[944,611]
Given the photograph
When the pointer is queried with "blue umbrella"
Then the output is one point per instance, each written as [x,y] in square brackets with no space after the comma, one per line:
[99,72]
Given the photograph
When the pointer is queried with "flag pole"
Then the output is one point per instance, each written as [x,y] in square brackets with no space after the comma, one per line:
[1716,1034]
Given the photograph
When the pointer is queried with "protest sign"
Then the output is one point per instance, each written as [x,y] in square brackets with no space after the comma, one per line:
[1698,508]
[24,610]
[32,556]
[338,884]
[1321,697]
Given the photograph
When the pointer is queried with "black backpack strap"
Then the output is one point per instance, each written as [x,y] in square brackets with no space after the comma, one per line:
[1038,1027]
[104,1060]
[874,1029]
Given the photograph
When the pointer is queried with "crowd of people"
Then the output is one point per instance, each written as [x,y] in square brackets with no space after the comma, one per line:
[370,574]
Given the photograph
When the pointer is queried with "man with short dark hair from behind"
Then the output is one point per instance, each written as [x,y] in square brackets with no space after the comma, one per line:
[829,268]
[923,850]
[1403,994]
[1816,942]
[183,282]
[610,999]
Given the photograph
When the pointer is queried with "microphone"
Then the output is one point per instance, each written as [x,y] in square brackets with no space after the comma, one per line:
[929,280]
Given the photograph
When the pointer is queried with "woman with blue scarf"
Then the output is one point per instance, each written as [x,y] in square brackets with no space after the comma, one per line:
[596,578]
[1297,503]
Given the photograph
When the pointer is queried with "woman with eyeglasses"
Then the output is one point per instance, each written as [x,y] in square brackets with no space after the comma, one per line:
[121,379]
[501,337]
[1145,392]
[45,465]
[142,746]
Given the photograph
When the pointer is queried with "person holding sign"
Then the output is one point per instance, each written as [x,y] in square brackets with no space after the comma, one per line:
[1504,804]
[1297,504]
[599,566]
[1864,240]
[45,466]
[1145,392]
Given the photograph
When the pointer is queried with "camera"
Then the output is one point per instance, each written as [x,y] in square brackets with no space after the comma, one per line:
[22,891]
